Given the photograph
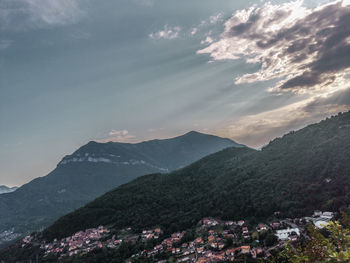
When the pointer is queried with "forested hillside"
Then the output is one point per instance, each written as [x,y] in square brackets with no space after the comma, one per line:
[91,171]
[302,171]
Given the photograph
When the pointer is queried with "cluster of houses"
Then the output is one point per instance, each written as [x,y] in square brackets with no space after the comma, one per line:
[214,240]
[211,244]
[321,219]
[79,243]
[151,234]
[8,236]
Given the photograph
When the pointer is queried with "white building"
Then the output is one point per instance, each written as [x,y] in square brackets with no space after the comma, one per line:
[285,233]
[321,223]
[327,215]
[317,213]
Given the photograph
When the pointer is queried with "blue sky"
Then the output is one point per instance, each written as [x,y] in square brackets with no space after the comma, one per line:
[131,70]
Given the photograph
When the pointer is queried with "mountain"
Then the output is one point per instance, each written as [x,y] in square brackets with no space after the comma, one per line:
[4,189]
[302,171]
[94,169]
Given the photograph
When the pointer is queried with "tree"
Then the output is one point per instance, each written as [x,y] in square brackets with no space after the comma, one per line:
[321,249]
[270,239]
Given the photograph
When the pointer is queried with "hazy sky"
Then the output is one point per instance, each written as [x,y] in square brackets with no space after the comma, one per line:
[130,70]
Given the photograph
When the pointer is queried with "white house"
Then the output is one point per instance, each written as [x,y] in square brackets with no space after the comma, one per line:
[321,223]
[317,213]
[327,215]
[285,233]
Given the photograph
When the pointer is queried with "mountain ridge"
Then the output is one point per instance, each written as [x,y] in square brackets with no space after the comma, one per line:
[287,175]
[92,170]
[5,189]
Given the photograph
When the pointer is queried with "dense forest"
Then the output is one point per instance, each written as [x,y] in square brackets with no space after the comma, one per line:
[81,177]
[302,171]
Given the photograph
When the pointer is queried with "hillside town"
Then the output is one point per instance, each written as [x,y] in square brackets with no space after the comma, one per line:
[8,236]
[212,240]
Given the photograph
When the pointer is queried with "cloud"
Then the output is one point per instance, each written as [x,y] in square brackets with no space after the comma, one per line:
[144,2]
[167,33]
[5,44]
[204,24]
[81,35]
[118,136]
[208,40]
[257,129]
[28,14]
[306,49]
[194,31]
[338,101]
[216,18]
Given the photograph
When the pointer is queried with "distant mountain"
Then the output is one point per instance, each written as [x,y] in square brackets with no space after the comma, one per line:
[302,171]
[4,189]
[94,169]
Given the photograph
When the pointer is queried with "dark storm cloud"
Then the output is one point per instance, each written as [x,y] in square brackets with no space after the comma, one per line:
[307,49]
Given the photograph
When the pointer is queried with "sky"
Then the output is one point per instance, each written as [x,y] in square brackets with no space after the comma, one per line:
[72,71]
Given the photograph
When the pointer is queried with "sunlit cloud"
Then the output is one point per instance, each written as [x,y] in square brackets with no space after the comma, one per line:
[167,32]
[307,49]
[346,2]
[216,18]
[206,24]
[118,136]
[207,40]
[194,31]
[257,129]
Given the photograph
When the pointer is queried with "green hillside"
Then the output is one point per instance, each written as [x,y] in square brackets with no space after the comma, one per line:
[93,170]
[302,171]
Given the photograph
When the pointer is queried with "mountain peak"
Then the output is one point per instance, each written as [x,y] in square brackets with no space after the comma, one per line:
[194,133]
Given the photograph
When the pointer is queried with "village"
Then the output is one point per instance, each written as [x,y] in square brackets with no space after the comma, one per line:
[213,240]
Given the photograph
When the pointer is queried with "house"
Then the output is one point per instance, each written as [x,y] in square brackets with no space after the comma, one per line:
[158,230]
[240,222]
[200,250]
[213,244]
[321,223]
[261,227]
[176,250]
[198,240]
[211,232]
[245,249]
[327,215]
[203,260]
[285,233]
[158,247]
[184,259]
[211,238]
[232,236]
[230,251]
[245,230]
[209,222]
[218,256]
[317,213]
[229,223]
[293,238]
[221,245]
[275,225]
